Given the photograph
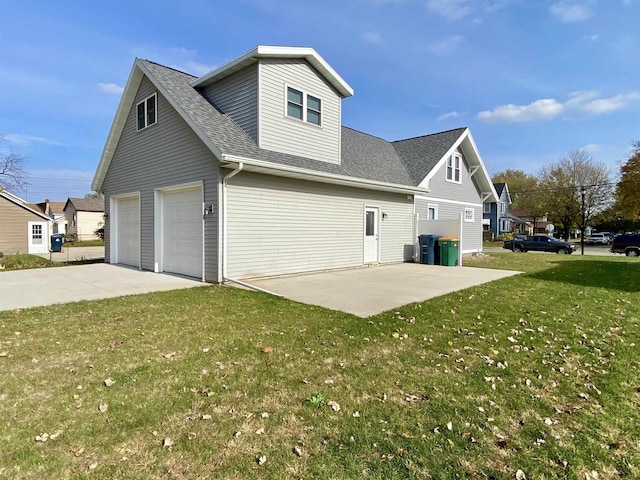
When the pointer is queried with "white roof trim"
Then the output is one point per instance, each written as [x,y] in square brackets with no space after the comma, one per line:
[268,51]
[17,200]
[276,169]
[126,102]
[475,160]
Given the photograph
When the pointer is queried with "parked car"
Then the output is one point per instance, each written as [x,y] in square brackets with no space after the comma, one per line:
[629,244]
[598,239]
[539,243]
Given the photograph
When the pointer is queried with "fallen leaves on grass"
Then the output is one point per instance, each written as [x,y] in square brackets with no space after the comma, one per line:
[109,382]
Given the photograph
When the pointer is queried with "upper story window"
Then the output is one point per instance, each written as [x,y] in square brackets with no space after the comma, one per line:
[454,163]
[503,207]
[147,111]
[302,106]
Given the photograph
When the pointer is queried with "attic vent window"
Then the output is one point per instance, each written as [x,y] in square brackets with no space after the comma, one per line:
[147,111]
[303,106]
[453,168]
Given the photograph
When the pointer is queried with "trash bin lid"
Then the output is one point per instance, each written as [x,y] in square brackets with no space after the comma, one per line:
[448,239]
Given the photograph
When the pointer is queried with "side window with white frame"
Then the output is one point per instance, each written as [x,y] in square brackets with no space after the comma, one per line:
[454,166]
[486,207]
[503,207]
[469,215]
[432,212]
[146,112]
[303,106]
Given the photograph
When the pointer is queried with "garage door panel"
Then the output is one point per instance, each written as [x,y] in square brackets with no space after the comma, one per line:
[128,231]
[182,232]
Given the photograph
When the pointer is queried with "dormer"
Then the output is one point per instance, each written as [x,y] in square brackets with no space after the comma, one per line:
[288,99]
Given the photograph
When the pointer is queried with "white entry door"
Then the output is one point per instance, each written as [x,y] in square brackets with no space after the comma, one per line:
[38,237]
[371,235]
[182,232]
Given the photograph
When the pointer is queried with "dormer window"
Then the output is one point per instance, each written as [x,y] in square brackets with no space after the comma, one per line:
[453,168]
[302,106]
[146,111]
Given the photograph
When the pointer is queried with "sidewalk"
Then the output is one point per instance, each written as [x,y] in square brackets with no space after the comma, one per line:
[74,254]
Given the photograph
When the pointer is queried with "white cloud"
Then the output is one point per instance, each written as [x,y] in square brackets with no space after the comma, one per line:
[450,115]
[446,46]
[111,88]
[451,9]
[585,102]
[572,11]
[373,37]
[23,140]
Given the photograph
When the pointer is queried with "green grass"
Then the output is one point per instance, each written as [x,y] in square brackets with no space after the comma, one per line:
[24,261]
[85,243]
[538,372]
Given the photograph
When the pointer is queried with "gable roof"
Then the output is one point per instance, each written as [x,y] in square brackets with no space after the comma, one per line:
[499,187]
[86,204]
[268,51]
[366,161]
[22,204]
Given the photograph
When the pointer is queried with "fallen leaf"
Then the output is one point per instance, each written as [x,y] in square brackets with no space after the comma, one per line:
[260,431]
[170,355]
[237,434]
[262,460]
[297,451]
[167,442]
[356,414]
[520,475]
[449,426]
[206,417]
[267,350]
[264,415]
[77,452]
[108,382]
[191,435]
[93,466]
[103,407]
[334,405]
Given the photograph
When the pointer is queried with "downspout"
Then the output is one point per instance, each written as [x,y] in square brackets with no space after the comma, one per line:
[225,180]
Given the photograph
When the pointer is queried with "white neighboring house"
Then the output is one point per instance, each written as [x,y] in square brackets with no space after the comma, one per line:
[84,216]
[23,227]
[55,211]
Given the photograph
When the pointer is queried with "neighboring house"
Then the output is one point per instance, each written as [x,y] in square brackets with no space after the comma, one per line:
[55,211]
[23,227]
[247,172]
[84,217]
[496,214]
[535,226]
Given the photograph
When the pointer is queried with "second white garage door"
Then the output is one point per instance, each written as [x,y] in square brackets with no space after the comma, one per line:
[182,232]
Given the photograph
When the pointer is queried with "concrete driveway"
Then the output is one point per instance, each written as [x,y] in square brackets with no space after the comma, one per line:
[46,286]
[369,291]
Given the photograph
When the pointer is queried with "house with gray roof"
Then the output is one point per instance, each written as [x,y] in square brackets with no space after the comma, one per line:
[84,216]
[495,214]
[247,172]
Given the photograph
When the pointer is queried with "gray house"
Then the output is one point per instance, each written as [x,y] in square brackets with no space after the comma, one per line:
[247,172]
[496,214]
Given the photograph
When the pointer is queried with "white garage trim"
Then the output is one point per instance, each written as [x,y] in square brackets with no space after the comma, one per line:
[161,250]
[117,213]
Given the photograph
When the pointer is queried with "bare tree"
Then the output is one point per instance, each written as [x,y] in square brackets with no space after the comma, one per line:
[12,174]
[567,180]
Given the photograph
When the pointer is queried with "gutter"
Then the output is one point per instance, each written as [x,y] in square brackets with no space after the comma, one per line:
[314,175]
[222,274]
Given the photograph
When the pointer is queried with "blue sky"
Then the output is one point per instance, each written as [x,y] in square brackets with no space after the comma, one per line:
[533,79]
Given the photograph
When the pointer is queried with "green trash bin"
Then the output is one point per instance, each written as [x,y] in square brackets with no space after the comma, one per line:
[448,251]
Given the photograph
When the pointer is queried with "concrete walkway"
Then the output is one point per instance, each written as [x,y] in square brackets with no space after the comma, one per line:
[369,291]
[46,286]
[74,254]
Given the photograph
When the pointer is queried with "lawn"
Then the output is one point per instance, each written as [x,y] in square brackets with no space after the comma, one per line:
[536,374]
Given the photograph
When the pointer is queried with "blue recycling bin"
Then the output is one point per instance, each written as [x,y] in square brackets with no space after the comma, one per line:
[428,250]
[56,242]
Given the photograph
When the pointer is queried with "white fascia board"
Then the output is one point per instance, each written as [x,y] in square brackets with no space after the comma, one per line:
[442,161]
[269,168]
[268,51]
[485,173]
[126,101]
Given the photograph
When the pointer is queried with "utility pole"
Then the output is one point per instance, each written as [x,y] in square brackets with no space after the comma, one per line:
[582,226]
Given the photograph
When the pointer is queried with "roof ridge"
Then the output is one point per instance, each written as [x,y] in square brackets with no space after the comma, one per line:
[169,68]
[429,135]
[365,133]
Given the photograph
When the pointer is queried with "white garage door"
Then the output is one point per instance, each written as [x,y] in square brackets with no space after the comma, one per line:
[127,243]
[182,232]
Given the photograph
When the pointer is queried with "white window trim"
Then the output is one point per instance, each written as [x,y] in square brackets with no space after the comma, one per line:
[435,208]
[473,215]
[455,158]
[155,101]
[503,207]
[486,208]
[305,108]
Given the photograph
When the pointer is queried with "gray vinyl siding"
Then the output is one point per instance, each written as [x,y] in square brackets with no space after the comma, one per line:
[166,154]
[467,191]
[471,231]
[278,226]
[237,96]
[280,133]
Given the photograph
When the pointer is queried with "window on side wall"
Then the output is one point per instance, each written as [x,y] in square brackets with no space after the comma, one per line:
[432,212]
[469,215]
[305,107]
[147,112]
[486,207]
[503,207]
[454,163]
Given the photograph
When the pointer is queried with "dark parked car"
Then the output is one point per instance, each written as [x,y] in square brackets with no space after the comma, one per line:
[629,244]
[539,243]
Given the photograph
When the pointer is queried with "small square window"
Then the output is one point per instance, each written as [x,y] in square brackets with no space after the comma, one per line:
[432,212]
[469,215]
[146,112]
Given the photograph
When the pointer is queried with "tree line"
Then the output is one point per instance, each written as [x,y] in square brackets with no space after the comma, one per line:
[577,191]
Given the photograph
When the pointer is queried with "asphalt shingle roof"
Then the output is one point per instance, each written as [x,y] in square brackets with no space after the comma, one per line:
[87,204]
[404,162]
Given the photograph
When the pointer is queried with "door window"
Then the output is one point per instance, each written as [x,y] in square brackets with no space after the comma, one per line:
[370,229]
[36,234]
